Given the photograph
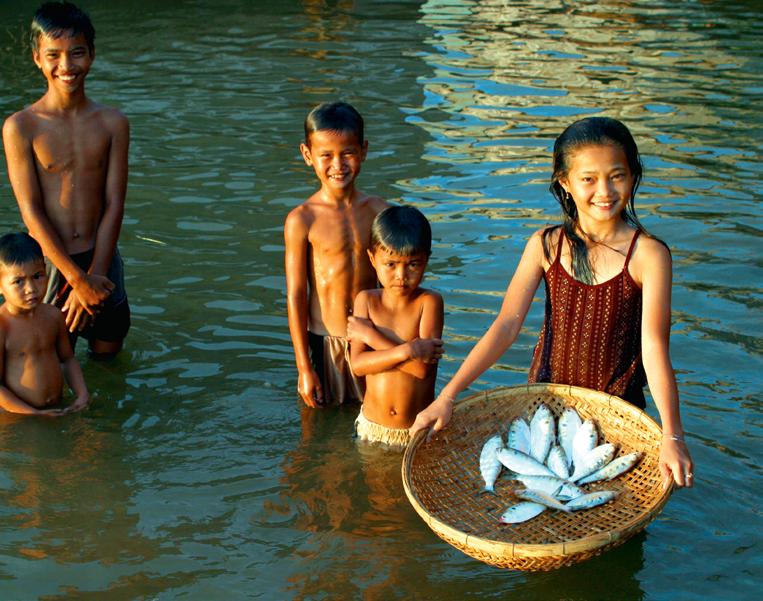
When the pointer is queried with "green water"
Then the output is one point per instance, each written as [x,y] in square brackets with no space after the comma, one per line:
[197,474]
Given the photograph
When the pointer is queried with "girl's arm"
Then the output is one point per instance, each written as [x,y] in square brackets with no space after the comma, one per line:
[495,341]
[656,281]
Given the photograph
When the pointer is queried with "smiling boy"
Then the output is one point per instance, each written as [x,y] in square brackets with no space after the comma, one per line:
[67,163]
[326,263]
[395,331]
[34,345]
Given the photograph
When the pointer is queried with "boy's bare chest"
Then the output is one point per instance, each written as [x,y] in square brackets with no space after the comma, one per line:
[71,147]
[401,324]
[31,339]
[346,237]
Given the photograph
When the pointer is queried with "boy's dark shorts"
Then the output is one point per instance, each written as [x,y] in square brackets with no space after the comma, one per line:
[331,359]
[113,321]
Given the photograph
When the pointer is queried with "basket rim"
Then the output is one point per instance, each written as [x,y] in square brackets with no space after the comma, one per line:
[568,548]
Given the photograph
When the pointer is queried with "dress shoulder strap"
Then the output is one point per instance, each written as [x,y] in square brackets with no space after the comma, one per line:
[630,249]
[562,238]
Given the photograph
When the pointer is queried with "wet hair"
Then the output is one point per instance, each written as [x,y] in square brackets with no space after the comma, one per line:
[401,230]
[593,131]
[334,116]
[19,248]
[58,19]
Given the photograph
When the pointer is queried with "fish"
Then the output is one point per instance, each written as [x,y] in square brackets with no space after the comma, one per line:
[536,496]
[522,464]
[521,512]
[569,423]
[490,467]
[519,435]
[542,432]
[593,461]
[557,462]
[584,441]
[551,485]
[592,499]
[613,469]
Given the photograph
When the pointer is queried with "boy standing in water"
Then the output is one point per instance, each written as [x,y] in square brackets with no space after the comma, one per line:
[33,341]
[67,162]
[395,330]
[326,262]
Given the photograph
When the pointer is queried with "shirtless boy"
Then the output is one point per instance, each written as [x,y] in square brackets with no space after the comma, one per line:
[327,237]
[34,345]
[67,162]
[395,331]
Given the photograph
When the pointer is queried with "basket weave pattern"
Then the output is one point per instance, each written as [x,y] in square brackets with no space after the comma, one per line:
[442,481]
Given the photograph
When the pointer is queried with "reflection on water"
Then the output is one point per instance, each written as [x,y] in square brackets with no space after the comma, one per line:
[196,473]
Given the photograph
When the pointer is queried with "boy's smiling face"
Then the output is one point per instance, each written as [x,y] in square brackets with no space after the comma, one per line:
[23,286]
[64,61]
[398,274]
[336,157]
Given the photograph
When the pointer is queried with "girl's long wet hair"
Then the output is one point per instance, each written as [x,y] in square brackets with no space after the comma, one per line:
[593,131]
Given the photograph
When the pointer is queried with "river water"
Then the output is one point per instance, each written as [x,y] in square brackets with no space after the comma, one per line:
[197,474]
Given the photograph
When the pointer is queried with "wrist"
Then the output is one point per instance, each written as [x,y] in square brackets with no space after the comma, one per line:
[673,436]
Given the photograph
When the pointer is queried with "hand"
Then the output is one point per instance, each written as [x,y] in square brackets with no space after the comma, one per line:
[309,388]
[57,412]
[436,415]
[676,463]
[75,315]
[358,329]
[428,350]
[91,290]
[79,404]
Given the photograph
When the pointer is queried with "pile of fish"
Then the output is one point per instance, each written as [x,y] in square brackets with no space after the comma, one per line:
[552,467]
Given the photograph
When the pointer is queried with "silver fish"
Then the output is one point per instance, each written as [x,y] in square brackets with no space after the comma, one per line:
[490,467]
[521,512]
[522,464]
[569,423]
[613,469]
[519,435]
[557,461]
[592,499]
[536,496]
[551,485]
[593,461]
[584,441]
[542,432]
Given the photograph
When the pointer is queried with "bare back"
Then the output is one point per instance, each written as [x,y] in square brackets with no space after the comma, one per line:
[31,355]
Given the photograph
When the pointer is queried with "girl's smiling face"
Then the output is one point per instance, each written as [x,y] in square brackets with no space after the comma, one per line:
[599,181]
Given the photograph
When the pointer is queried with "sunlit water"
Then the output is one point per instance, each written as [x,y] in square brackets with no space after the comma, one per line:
[197,474]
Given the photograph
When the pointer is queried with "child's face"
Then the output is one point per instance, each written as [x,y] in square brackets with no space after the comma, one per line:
[599,181]
[336,157]
[23,286]
[398,274]
[64,61]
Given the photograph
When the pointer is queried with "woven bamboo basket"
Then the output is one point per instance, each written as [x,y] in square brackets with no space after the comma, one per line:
[442,481]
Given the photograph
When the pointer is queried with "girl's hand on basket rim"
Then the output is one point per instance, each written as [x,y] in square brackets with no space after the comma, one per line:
[675,462]
[437,415]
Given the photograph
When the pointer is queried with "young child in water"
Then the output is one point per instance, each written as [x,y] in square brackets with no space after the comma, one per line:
[395,330]
[34,344]
[67,163]
[326,238]
[608,282]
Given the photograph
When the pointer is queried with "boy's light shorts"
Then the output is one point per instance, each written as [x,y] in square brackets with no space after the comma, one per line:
[370,431]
